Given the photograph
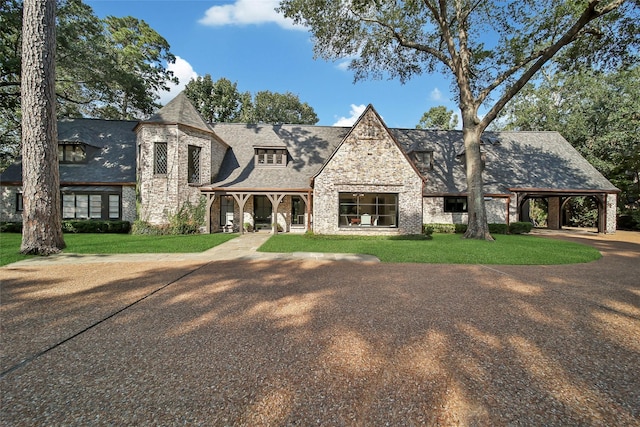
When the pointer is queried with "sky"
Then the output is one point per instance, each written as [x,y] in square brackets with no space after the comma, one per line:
[247,42]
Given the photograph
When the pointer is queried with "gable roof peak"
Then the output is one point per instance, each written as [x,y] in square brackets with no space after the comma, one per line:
[180,110]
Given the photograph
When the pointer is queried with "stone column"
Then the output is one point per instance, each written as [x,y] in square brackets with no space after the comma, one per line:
[553,216]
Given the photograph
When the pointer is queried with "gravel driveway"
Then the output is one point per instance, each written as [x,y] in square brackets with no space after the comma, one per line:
[269,343]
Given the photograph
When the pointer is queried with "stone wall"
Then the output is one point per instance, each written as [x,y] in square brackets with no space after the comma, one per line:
[611,212]
[496,212]
[128,203]
[368,161]
[162,195]
[8,199]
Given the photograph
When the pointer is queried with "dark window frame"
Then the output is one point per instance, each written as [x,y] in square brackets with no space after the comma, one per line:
[363,209]
[160,165]
[67,153]
[194,162]
[271,157]
[455,204]
[105,214]
[19,202]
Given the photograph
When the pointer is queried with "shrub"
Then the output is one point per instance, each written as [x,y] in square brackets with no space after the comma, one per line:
[520,227]
[143,227]
[447,228]
[188,219]
[498,228]
[95,226]
[10,227]
[427,231]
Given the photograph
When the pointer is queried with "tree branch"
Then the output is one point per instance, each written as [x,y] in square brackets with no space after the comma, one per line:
[590,13]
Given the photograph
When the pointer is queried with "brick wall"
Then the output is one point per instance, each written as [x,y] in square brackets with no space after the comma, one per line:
[162,195]
[368,161]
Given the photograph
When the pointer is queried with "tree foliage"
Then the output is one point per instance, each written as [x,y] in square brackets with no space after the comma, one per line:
[109,68]
[221,101]
[218,101]
[438,118]
[489,49]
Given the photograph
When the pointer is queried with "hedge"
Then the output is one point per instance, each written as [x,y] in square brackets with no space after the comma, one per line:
[77,226]
[494,228]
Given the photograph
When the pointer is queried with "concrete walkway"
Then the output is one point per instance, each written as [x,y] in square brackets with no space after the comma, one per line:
[243,247]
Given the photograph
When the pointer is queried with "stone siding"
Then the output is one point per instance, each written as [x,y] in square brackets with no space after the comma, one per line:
[368,161]
[496,212]
[611,212]
[163,195]
[8,199]
[128,204]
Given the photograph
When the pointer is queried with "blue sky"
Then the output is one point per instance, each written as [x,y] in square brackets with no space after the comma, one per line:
[246,42]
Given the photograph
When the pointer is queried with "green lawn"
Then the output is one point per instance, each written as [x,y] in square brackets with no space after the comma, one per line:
[118,244]
[442,249]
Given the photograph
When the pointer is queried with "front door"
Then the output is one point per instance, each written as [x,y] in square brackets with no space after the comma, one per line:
[262,212]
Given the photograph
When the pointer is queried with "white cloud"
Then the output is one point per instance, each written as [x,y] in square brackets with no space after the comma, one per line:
[435,95]
[247,12]
[356,111]
[184,72]
[344,65]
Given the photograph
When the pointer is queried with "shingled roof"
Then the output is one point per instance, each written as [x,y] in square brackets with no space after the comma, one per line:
[514,160]
[179,111]
[110,150]
[307,146]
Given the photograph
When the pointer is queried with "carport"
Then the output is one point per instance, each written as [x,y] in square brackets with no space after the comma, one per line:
[557,199]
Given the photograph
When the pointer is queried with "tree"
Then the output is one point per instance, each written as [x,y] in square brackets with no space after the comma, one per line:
[490,50]
[42,226]
[438,118]
[221,101]
[218,101]
[109,68]
[272,107]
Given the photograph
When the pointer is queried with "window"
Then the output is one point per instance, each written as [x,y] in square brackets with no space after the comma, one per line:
[455,204]
[271,157]
[368,209]
[194,165]
[160,158]
[424,160]
[114,206]
[297,210]
[19,202]
[226,210]
[90,206]
[72,153]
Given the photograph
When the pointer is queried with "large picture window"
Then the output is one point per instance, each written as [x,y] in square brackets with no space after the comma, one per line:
[368,210]
[91,206]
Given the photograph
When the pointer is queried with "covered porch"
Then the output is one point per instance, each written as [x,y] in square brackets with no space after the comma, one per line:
[243,210]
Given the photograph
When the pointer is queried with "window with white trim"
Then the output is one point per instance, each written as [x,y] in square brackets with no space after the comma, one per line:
[72,153]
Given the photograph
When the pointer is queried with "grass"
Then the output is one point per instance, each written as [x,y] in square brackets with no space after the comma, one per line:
[117,244]
[442,249]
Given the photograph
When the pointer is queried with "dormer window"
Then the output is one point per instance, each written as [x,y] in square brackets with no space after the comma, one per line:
[271,157]
[72,153]
[424,160]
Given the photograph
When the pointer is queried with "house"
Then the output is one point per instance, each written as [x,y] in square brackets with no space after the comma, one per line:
[364,179]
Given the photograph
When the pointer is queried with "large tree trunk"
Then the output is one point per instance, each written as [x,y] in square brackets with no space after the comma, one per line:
[42,226]
[477,227]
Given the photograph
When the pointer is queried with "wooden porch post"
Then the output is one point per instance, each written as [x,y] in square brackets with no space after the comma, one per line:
[275,200]
[207,215]
[241,200]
